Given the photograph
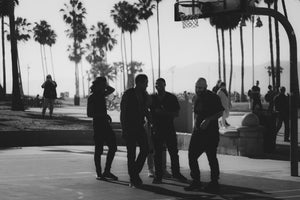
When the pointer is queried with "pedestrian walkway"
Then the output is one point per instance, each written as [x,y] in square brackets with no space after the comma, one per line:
[67,172]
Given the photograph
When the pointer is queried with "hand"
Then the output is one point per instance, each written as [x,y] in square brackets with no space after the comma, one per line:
[204,124]
[109,118]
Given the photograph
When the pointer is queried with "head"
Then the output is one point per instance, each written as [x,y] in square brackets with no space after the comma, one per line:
[257,83]
[160,85]
[99,84]
[282,90]
[223,85]
[218,83]
[48,77]
[141,82]
[200,86]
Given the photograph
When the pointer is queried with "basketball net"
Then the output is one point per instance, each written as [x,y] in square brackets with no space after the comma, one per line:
[189,21]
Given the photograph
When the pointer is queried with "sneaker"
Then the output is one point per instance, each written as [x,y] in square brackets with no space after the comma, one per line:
[194,186]
[179,177]
[151,173]
[101,178]
[135,183]
[157,181]
[167,174]
[212,187]
[110,175]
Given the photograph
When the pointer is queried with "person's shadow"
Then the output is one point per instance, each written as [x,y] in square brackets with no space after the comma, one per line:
[227,192]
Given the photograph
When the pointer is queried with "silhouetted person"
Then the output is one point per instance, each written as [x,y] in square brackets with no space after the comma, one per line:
[164,109]
[133,112]
[226,103]
[255,94]
[269,97]
[217,86]
[205,137]
[281,102]
[49,95]
[103,132]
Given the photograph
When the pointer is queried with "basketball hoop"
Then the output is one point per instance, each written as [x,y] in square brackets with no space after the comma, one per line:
[189,21]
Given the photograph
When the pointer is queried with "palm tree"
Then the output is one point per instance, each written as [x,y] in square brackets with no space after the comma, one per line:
[269,3]
[73,15]
[44,36]
[7,8]
[277,44]
[158,35]
[133,68]
[3,53]
[145,8]
[51,39]
[118,13]
[103,69]
[131,23]
[102,38]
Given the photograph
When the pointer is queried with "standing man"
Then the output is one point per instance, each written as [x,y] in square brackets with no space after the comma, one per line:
[255,93]
[101,123]
[269,97]
[134,109]
[282,106]
[205,137]
[164,109]
[49,95]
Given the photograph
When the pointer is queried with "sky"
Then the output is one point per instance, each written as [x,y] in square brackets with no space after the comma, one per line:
[180,48]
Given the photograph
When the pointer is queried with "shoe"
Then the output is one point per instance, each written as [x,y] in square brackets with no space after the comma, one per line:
[212,187]
[179,177]
[139,180]
[157,181]
[110,175]
[194,186]
[151,173]
[101,178]
[136,182]
[167,174]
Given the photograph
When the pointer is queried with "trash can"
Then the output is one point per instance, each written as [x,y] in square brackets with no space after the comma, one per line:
[268,120]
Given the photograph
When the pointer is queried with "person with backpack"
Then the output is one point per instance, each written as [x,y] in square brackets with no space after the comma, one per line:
[96,108]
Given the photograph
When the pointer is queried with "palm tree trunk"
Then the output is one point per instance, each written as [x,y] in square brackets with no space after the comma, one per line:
[231,61]
[284,8]
[131,52]
[45,59]
[219,53]
[17,103]
[77,99]
[3,55]
[242,64]
[82,77]
[41,49]
[151,57]
[124,64]
[271,49]
[158,39]
[277,49]
[52,66]
[20,78]
[224,62]
[125,52]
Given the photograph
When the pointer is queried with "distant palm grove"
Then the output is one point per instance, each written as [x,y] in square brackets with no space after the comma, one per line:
[95,42]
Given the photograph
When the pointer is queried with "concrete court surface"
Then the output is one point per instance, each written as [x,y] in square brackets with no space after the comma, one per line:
[67,173]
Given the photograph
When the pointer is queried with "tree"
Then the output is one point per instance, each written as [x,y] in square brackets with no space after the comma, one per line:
[3,53]
[103,69]
[7,8]
[73,15]
[44,35]
[133,68]
[158,35]
[269,3]
[145,8]
[118,13]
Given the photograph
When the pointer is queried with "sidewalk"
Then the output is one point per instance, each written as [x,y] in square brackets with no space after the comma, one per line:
[67,172]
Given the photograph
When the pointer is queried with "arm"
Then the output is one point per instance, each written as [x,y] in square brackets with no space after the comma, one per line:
[109,90]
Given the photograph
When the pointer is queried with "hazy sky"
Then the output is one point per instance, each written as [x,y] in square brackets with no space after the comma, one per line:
[179,47]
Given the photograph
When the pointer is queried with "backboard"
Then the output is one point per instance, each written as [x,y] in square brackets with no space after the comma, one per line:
[186,9]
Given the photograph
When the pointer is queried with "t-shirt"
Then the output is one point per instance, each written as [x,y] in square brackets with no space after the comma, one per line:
[97,105]
[169,103]
[206,105]
[49,90]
